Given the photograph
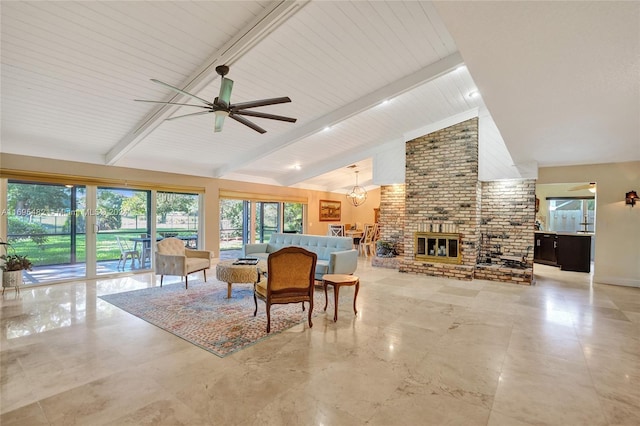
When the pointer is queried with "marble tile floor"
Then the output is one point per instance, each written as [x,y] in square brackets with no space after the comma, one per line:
[421,351]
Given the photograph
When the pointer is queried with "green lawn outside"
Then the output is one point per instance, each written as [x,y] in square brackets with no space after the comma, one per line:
[57,249]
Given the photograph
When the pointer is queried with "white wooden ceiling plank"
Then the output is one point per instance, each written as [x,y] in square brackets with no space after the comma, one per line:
[104,85]
[324,56]
[62,34]
[288,79]
[117,25]
[397,34]
[66,105]
[73,54]
[377,44]
[293,77]
[419,39]
[368,61]
[435,23]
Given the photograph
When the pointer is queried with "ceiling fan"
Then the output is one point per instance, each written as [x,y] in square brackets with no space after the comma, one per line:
[222,106]
[590,186]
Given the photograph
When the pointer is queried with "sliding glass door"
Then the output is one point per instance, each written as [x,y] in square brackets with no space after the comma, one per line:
[46,222]
[267,220]
[244,221]
[75,231]
[177,216]
[122,218]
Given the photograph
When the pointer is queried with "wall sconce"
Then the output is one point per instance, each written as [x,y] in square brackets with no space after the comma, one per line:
[630,198]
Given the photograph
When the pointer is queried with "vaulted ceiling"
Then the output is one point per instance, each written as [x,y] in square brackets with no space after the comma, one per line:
[559,83]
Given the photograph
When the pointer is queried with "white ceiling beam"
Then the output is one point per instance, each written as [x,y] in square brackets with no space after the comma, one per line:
[272,16]
[428,73]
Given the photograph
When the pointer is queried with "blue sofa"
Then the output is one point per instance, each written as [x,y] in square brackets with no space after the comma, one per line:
[336,255]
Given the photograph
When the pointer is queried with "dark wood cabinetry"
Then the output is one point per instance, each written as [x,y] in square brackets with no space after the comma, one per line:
[574,252]
[571,252]
[544,250]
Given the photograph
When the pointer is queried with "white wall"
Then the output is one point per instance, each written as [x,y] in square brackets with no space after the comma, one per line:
[617,246]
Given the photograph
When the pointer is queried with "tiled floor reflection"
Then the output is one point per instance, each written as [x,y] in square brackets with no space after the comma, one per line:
[422,350]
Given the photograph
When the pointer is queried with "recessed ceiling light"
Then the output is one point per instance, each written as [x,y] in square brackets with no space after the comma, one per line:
[296,167]
[474,94]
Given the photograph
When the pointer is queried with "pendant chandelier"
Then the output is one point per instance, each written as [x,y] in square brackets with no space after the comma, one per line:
[357,195]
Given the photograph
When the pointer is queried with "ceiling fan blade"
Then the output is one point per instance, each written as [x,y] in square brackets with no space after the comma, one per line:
[247,123]
[171,103]
[182,92]
[219,122]
[265,115]
[225,91]
[187,115]
[259,103]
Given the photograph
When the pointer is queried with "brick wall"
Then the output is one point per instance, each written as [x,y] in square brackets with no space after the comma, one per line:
[506,225]
[392,215]
[442,188]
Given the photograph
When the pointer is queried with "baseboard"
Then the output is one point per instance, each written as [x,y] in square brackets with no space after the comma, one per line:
[627,282]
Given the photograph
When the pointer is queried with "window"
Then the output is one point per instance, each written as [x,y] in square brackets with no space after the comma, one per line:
[177,216]
[46,223]
[238,216]
[572,214]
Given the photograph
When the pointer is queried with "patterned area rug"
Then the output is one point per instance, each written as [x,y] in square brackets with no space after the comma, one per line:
[205,317]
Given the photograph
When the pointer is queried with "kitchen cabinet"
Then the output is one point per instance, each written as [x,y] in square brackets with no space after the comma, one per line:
[574,252]
[571,252]
[544,250]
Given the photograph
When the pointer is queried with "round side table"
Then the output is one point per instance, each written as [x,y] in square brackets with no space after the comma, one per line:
[337,281]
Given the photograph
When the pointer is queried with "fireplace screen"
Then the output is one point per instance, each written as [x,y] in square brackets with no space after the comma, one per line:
[437,247]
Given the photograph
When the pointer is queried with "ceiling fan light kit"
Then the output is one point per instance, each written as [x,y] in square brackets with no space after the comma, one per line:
[222,106]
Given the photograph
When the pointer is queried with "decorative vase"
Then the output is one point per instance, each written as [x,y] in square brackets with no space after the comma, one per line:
[11,278]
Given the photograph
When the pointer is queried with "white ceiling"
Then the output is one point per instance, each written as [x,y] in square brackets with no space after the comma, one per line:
[559,83]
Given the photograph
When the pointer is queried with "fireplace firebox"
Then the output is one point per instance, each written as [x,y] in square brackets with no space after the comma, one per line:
[437,247]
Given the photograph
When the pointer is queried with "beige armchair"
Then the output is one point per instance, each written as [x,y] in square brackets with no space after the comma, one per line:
[172,258]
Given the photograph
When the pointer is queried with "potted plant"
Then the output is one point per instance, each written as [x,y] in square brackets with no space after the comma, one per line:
[12,267]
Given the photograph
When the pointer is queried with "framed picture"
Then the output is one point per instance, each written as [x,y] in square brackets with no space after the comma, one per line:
[330,211]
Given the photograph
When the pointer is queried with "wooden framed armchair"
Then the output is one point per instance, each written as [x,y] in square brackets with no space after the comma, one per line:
[173,258]
[290,279]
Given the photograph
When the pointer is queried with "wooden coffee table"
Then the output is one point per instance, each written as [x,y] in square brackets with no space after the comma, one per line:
[337,281]
[227,272]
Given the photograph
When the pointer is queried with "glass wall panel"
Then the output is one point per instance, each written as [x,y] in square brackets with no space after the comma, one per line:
[231,227]
[122,218]
[46,223]
[293,218]
[572,214]
[236,221]
[177,216]
[267,220]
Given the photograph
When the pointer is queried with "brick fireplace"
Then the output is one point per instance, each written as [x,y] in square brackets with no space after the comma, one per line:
[439,215]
